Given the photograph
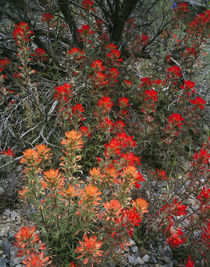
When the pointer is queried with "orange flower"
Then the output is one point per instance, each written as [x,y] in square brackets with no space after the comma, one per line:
[73,140]
[52,180]
[25,240]
[23,193]
[141,205]
[30,157]
[36,260]
[89,250]
[113,207]
[90,196]
[43,151]
[95,172]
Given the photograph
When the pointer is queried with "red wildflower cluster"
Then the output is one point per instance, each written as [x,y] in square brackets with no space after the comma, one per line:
[4,62]
[175,238]
[22,33]
[161,174]
[121,141]
[85,31]
[129,219]
[204,198]
[174,72]
[47,18]
[87,4]
[63,93]
[201,159]
[169,211]
[89,250]
[8,152]
[199,25]
[30,246]
[113,54]
[145,82]
[198,102]
[188,87]
[85,131]
[78,54]
[181,9]
[76,112]
[98,77]
[105,103]
[40,54]
[190,262]
[174,124]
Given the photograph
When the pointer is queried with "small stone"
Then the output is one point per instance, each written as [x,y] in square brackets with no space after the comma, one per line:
[143,251]
[14,215]
[6,247]
[132,260]
[3,262]
[134,249]
[140,260]
[13,251]
[112,264]
[15,261]
[146,258]
[7,212]
[2,190]
[167,259]
[170,264]
[157,265]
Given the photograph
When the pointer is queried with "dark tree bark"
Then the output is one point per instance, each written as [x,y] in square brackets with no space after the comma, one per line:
[120,16]
[69,19]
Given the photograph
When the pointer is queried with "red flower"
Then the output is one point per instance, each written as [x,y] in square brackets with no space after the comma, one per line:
[162,174]
[47,18]
[123,102]
[130,218]
[85,30]
[151,95]
[175,70]
[85,131]
[63,92]
[146,82]
[36,260]
[190,263]
[4,62]
[89,249]
[87,4]
[105,103]
[97,65]
[8,152]
[22,32]
[198,102]
[176,238]
[175,120]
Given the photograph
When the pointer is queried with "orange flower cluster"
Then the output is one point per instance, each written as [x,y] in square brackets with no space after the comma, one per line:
[89,250]
[30,246]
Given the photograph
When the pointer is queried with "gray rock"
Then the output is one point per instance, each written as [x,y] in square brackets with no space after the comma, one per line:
[14,215]
[134,249]
[4,230]
[146,258]
[15,261]
[13,251]
[7,212]
[6,247]
[132,260]
[2,190]
[167,259]
[140,260]
[112,264]
[143,251]
[3,262]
